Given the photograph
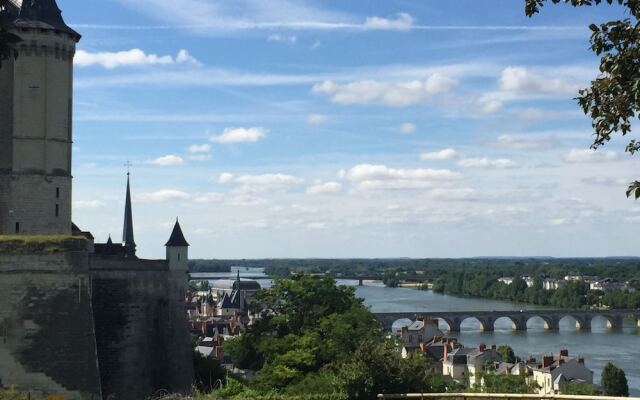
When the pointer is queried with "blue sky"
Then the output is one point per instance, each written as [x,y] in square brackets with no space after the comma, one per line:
[345,129]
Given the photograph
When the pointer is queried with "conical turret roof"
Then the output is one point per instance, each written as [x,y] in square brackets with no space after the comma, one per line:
[40,14]
[177,237]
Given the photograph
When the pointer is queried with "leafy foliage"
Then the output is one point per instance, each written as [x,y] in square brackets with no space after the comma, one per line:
[613,99]
[578,388]
[7,45]
[317,337]
[207,372]
[506,384]
[507,354]
[614,381]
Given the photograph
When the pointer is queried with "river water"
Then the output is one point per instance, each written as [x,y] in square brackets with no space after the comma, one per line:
[598,345]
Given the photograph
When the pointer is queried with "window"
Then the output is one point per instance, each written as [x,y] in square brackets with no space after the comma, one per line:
[57,210]
[57,193]
[178,256]
[17,227]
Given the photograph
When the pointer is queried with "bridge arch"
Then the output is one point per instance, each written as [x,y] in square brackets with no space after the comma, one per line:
[551,323]
[452,324]
[581,322]
[484,324]
[612,321]
[513,323]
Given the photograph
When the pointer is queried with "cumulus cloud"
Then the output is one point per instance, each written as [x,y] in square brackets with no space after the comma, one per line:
[316,119]
[240,135]
[487,163]
[130,58]
[445,154]
[525,142]
[88,204]
[591,156]
[524,81]
[168,161]
[199,148]
[393,94]
[325,188]
[379,177]
[163,195]
[402,22]
[262,181]
[407,128]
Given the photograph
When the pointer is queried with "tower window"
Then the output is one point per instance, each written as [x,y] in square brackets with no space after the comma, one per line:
[57,210]
[17,227]
[57,193]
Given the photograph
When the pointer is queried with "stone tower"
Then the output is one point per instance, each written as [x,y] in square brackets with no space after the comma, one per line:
[36,120]
[177,250]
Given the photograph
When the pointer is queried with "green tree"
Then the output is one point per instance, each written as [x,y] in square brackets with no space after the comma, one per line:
[577,388]
[506,384]
[7,45]
[507,354]
[613,99]
[614,381]
[377,367]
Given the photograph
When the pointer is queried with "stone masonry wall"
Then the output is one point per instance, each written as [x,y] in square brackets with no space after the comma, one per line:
[47,338]
[141,328]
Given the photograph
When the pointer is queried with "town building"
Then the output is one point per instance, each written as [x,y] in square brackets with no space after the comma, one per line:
[465,365]
[607,285]
[557,369]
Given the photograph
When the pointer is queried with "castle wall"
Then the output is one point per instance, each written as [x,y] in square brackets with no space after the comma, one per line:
[47,337]
[141,328]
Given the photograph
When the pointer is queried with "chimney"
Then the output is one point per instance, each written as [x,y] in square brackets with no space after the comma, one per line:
[547,361]
[482,347]
[219,353]
[564,353]
[581,360]
[493,347]
[445,353]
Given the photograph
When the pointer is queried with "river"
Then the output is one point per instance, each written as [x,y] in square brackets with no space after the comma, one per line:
[598,345]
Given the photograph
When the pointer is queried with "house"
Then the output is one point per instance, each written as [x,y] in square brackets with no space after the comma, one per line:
[420,331]
[552,284]
[435,349]
[477,360]
[607,285]
[506,280]
[465,365]
[555,370]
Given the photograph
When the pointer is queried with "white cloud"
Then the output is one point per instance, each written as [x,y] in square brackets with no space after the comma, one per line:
[317,225]
[261,182]
[240,135]
[525,142]
[590,156]
[282,38]
[445,154]
[316,119]
[394,94]
[168,161]
[130,58]
[487,163]
[163,195]
[402,22]
[380,177]
[489,104]
[407,128]
[524,81]
[605,181]
[88,204]
[199,148]
[325,188]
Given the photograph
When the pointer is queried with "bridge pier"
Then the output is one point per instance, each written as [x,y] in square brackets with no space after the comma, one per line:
[582,322]
[615,322]
[520,325]
[551,323]
[486,323]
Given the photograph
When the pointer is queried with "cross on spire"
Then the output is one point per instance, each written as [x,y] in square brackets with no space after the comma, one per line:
[128,165]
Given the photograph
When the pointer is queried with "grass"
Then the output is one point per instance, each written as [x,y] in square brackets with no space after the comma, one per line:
[16,244]
[12,394]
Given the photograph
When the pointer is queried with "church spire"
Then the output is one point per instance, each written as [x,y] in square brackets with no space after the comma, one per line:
[127,234]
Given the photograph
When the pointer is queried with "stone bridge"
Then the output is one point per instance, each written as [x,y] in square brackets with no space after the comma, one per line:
[519,319]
